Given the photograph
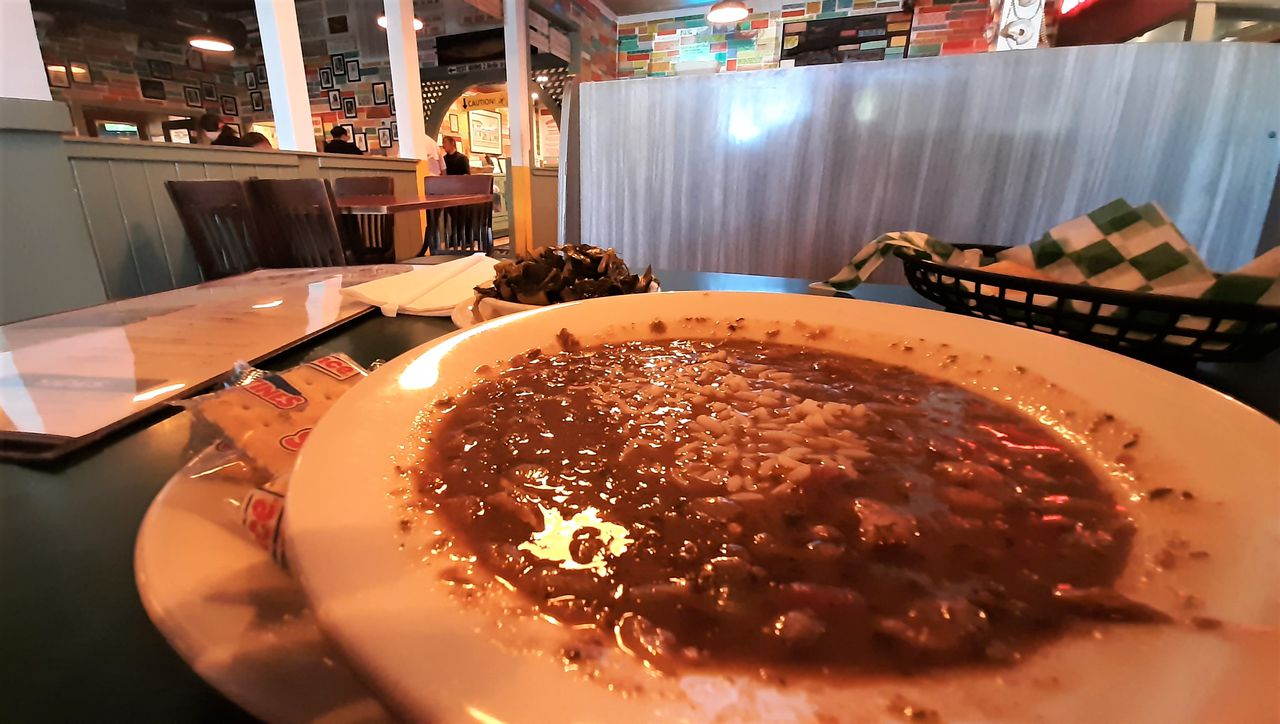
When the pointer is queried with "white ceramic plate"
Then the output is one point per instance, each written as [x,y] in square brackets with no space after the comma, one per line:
[377,594]
[230,612]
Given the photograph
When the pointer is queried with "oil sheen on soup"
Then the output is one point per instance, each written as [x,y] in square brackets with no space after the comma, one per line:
[751,504]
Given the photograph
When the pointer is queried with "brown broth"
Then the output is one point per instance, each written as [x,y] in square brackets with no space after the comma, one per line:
[744,503]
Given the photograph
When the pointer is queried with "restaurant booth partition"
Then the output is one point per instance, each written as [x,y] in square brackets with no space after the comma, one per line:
[789,172]
[120,235]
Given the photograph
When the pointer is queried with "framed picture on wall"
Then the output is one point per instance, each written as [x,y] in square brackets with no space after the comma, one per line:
[362,141]
[351,131]
[79,71]
[209,91]
[453,123]
[335,100]
[58,75]
[349,107]
[191,94]
[353,70]
[256,101]
[250,80]
[195,60]
[338,24]
[151,88]
[379,94]
[395,130]
[384,137]
[229,106]
[235,127]
[262,73]
[326,77]
[161,69]
[339,64]
[393,105]
[486,131]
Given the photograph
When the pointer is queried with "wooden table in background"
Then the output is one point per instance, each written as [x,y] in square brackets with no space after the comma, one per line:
[433,205]
[395,204]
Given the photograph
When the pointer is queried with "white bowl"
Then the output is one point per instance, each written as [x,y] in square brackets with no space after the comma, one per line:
[376,592]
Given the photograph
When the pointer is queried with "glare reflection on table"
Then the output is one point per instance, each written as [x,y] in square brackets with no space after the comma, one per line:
[68,375]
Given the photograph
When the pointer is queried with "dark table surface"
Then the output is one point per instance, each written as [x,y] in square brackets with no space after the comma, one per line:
[75,641]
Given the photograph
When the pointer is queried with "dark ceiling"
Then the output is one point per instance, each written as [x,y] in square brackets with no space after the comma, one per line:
[151,19]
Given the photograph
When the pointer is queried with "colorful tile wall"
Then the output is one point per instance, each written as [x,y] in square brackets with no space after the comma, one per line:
[598,36]
[652,48]
[950,27]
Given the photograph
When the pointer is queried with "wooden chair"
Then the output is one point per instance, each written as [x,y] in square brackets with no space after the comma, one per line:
[298,223]
[369,238]
[460,229]
[219,221]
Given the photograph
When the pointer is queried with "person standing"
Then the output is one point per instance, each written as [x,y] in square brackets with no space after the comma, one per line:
[455,162]
[433,157]
[339,143]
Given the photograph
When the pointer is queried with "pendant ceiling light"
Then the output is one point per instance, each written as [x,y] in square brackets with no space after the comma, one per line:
[727,11]
[211,43]
[382,23]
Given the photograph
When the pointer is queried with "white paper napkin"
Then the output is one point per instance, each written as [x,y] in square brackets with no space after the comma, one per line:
[429,291]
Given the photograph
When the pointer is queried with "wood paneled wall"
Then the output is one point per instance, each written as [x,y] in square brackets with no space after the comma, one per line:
[789,172]
[136,234]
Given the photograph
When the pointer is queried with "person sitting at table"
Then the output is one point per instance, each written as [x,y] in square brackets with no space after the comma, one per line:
[455,162]
[206,128]
[253,139]
[227,137]
[340,144]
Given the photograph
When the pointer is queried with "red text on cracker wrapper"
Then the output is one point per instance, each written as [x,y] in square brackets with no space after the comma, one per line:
[335,366]
[293,442]
[273,395]
[263,517]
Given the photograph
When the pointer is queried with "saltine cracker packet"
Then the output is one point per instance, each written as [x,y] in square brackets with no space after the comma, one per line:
[270,416]
[264,419]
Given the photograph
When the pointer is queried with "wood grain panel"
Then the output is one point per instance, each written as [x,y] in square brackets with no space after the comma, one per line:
[138,240]
[183,268]
[107,228]
[219,172]
[789,172]
[191,172]
[138,212]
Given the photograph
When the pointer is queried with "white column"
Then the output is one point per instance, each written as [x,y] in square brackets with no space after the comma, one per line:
[515,35]
[406,79]
[23,75]
[286,75]
[515,23]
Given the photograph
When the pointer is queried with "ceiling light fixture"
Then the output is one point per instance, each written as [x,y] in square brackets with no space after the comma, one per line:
[543,78]
[1071,7]
[382,23]
[211,43]
[727,11]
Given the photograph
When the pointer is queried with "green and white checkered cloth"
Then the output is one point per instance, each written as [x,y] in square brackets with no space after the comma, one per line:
[1116,246]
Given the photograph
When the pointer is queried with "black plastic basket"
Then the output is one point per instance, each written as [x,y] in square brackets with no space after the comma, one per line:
[1159,328]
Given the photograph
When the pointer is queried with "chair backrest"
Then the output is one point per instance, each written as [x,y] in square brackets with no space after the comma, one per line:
[364,186]
[298,222]
[457,185]
[219,221]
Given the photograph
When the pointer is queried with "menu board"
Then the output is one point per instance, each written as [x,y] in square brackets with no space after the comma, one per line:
[548,138]
[844,40]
